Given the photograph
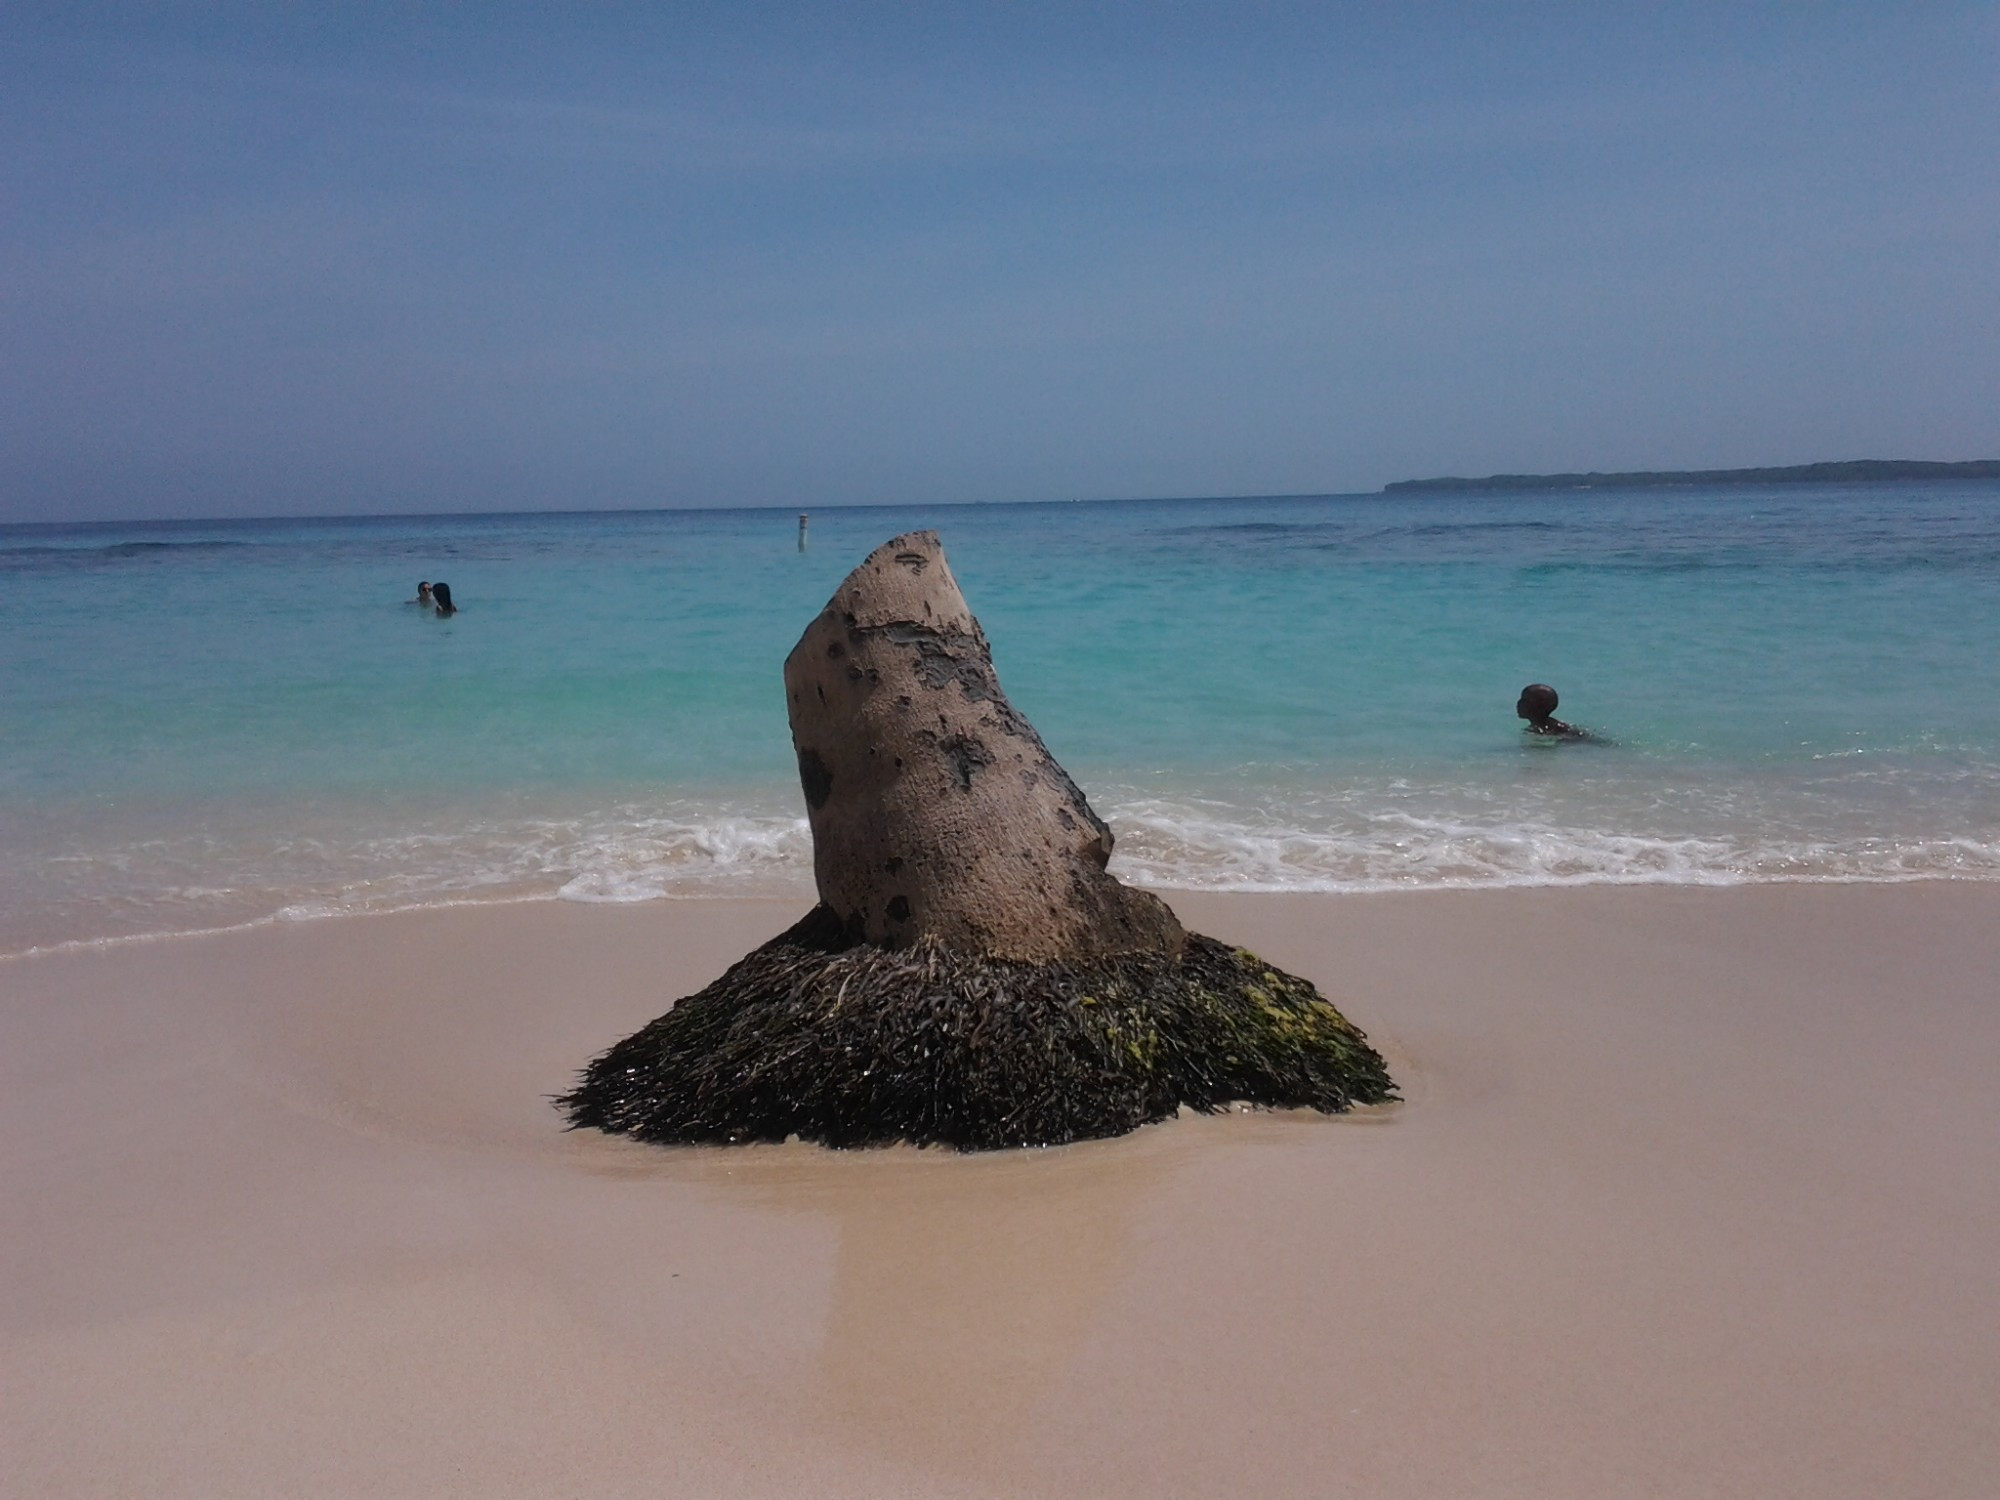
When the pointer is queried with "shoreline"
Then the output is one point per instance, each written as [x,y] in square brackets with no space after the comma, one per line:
[699,895]
[1692,1193]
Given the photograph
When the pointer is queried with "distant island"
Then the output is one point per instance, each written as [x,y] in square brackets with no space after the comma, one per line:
[1854,471]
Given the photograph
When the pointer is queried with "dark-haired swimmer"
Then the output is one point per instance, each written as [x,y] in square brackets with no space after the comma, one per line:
[441,597]
[423,594]
[1538,706]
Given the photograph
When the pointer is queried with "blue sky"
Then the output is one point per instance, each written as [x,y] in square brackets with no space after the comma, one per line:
[303,259]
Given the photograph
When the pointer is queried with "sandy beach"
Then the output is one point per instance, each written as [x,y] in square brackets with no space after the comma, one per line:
[1694,1193]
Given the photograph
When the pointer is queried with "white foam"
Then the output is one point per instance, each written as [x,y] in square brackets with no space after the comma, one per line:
[1391,836]
[728,854]
[1178,847]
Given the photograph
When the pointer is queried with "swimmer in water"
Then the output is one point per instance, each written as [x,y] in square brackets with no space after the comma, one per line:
[441,597]
[423,594]
[1538,707]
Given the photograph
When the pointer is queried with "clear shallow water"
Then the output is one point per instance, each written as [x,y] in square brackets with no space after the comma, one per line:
[209,723]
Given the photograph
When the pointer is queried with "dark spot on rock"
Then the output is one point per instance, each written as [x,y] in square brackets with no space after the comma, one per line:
[853,673]
[893,863]
[1063,817]
[902,700]
[966,755]
[1030,780]
[914,561]
[899,908]
[835,649]
[815,778]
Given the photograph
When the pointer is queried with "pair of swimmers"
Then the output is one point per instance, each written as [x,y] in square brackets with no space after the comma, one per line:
[1537,703]
[437,596]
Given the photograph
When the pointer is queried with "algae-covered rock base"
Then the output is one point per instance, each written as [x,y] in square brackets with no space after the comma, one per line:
[973,975]
[851,1044]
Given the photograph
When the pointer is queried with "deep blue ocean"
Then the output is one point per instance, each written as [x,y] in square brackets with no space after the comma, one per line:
[209,723]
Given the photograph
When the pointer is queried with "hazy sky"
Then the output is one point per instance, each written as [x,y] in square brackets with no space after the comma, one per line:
[255,260]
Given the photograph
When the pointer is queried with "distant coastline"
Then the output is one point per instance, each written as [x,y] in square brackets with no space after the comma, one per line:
[1853,471]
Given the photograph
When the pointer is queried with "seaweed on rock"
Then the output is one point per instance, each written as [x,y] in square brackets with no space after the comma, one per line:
[973,975]
[850,1044]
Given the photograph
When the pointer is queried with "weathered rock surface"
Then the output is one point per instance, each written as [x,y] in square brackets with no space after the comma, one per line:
[937,813]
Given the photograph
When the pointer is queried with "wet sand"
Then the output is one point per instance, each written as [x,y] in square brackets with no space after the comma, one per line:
[1694,1193]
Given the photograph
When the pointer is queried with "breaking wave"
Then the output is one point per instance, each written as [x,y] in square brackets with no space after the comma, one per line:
[637,854]
[1179,848]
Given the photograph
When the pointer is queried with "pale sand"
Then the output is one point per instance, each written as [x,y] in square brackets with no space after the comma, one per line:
[1694,1194]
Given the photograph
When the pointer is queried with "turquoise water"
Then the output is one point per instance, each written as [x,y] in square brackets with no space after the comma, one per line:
[203,724]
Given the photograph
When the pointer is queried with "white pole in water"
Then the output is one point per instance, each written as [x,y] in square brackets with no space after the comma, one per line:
[803,518]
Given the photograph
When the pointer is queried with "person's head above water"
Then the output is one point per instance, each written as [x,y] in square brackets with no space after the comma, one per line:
[441,597]
[1538,706]
[1538,701]
[423,593]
